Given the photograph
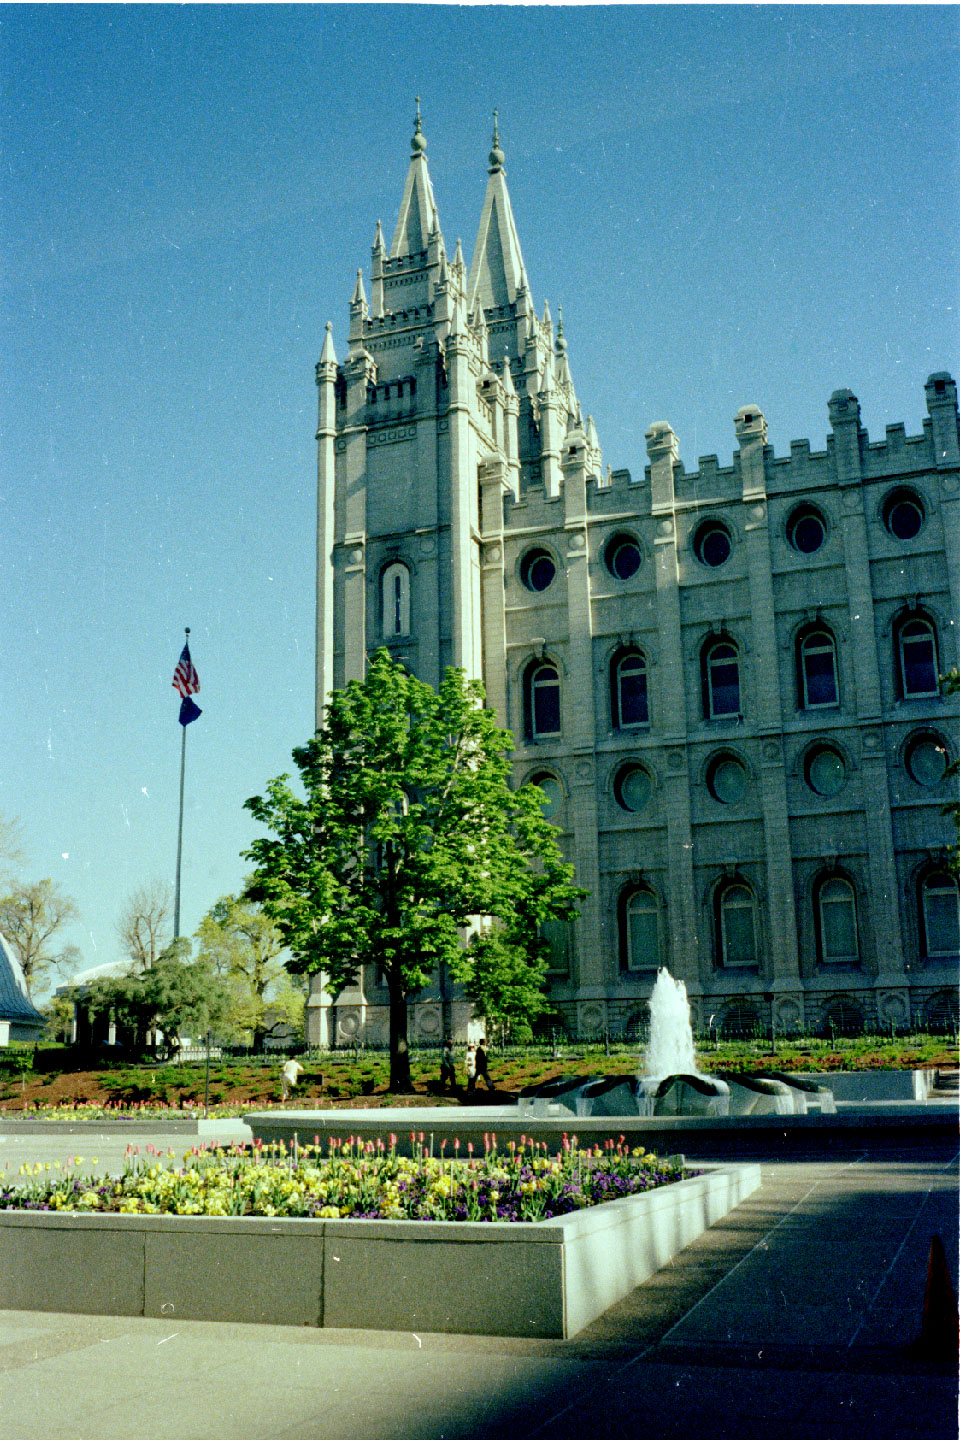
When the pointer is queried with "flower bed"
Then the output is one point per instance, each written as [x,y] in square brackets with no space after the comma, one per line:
[353,1180]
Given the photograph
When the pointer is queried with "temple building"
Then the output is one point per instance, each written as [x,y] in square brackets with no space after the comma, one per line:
[726,681]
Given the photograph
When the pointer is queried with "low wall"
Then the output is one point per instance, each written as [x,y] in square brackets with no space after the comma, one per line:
[546,1279]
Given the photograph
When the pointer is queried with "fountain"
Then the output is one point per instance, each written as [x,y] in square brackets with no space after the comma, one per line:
[671,1083]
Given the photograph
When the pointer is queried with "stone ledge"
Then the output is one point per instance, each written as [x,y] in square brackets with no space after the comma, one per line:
[548,1279]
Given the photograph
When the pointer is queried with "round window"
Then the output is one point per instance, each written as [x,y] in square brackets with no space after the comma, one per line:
[537,569]
[551,797]
[622,557]
[711,543]
[727,781]
[632,788]
[826,771]
[903,515]
[927,761]
[806,530]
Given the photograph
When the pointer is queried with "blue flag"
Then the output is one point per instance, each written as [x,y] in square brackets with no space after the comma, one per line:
[188,711]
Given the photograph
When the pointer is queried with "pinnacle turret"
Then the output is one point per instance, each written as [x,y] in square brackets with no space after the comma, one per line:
[328,355]
[497,273]
[418,218]
[359,294]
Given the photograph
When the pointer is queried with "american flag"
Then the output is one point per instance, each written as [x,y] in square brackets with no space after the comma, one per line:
[185,677]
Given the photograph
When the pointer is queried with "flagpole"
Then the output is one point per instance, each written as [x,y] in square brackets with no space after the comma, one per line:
[183,763]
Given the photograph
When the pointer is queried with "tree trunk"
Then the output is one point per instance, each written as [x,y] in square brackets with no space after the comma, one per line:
[399,1053]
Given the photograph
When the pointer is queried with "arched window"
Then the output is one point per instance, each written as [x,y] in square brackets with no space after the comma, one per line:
[395,599]
[816,669]
[542,699]
[940,913]
[628,689]
[916,656]
[720,675]
[735,919]
[836,913]
[640,930]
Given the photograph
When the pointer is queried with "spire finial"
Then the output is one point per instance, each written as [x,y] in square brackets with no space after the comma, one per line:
[496,154]
[419,142]
[561,342]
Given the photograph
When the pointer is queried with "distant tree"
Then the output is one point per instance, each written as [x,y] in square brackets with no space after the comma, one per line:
[58,1013]
[176,995]
[409,840]
[31,916]
[245,948]
[145,927]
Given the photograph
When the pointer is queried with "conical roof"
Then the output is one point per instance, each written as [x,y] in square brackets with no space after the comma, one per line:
[15,1003]
[496,271]
[418,216]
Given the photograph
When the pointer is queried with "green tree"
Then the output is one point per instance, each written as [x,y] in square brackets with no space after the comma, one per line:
[31,915]
[244,947]
[409,838]
[175,995]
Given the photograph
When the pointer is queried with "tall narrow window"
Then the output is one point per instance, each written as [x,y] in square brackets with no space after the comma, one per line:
[640,935]
[542,699]
[940,911]
[817,669]
[628,691]
[395,600]
[917,657]
[721,679]
[736,925]
[837,922]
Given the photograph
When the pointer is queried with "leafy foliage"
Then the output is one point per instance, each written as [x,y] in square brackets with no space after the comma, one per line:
[175,995]
[244,947]
[409,840]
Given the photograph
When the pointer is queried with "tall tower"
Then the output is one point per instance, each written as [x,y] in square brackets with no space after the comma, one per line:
[453,394]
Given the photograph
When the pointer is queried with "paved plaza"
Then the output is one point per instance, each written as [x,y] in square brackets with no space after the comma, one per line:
[791,1318]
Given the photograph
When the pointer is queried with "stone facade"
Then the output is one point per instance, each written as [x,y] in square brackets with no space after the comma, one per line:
[725,680]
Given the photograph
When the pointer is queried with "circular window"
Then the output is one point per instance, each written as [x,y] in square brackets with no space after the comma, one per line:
[825,771]
[551,797]
[806,530]
[711,543]
[632,787]
[622,557]
[537,569]
[927,760]
[903,514]
[727,780]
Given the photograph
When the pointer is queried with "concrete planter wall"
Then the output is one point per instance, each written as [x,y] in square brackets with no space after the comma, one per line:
[545,1279]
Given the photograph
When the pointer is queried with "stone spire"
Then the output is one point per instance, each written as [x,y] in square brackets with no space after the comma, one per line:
[418,217]
[497,271]
[328,356]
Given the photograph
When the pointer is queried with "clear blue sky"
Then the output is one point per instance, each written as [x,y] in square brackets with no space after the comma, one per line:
[732,205]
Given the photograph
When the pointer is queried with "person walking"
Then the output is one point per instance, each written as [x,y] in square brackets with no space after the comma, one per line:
[289,1075]
[471,1069]
[481,1062]
[448,1075]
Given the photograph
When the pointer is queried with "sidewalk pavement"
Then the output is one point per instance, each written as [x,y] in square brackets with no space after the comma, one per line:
[790,1319]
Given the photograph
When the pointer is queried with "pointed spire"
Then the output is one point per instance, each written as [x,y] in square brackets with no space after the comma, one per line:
[418,218]
[328,355]
[593,439]
[561,343]
[379,248]
[497,271]
[547,320]
[359,294]
[458,255]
